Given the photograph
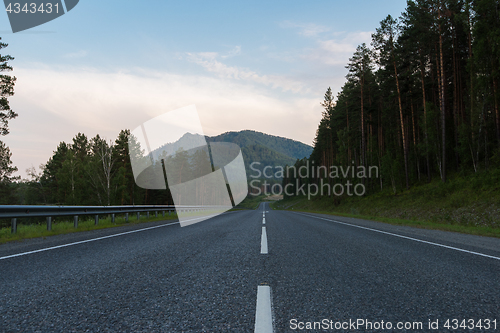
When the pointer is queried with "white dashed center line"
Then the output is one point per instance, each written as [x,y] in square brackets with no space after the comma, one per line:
[263,241]
[263,313]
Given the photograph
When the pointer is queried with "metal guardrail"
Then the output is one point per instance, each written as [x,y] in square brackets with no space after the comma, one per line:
[19,211]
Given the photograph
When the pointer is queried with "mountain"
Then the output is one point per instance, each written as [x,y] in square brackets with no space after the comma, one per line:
[284,146]
[267,150]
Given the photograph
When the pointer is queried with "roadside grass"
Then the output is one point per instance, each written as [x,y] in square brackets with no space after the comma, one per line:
[464,204]
[63,226]
[25,231]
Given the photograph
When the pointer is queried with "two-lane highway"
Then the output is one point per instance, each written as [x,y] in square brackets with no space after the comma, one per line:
[251,271]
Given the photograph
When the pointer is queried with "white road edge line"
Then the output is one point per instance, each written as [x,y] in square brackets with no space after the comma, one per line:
[96,239]
[263,312]
[405,237]
[263,241]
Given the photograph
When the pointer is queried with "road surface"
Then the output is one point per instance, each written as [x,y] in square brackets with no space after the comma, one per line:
[252,271]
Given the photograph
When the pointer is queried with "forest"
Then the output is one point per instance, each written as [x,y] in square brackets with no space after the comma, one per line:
[94,171]
[87,171]
[421,100]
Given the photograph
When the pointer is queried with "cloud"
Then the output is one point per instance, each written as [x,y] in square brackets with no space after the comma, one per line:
[305,29]
[56,104]
[333,48]
[232,53]
[337,51]
[210,63]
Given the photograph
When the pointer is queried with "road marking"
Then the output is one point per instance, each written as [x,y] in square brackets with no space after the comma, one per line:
[263,312]
[96,239]
[405,237]
[263,220]
[263,241]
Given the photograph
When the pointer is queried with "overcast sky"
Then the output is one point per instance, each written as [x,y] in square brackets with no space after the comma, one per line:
[112,65]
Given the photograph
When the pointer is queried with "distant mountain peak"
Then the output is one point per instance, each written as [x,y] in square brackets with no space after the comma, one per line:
[266,149]
[285,146]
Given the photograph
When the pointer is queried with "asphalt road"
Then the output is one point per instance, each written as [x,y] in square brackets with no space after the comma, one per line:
[252,271]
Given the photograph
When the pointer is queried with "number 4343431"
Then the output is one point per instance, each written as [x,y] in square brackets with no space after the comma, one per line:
[485,324]
[32,8]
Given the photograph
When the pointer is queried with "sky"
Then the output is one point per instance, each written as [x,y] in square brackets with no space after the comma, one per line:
[111,65]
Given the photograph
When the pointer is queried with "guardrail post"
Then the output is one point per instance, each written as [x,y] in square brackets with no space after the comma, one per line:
[147,214]
[112,218]
[156,213]
[163,213]
[75,221]
[126,217]
[138,215]
[49,223]
[96,220]
[13,225]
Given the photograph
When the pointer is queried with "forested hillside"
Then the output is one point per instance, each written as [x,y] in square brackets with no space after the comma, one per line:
[268,150]
[287,147]
[265,156]
[421,98]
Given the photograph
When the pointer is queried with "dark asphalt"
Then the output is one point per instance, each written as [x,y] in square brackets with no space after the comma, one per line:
[204,277]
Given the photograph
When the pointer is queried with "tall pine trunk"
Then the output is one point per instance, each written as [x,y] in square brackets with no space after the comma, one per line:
[442,97]
[405,150]
[426,137]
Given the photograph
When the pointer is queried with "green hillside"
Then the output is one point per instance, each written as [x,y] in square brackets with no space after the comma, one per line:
[287,147]
[265,156]
[267,150]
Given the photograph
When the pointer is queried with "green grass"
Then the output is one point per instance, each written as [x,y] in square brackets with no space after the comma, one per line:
[464,204]
[64,227]
[25,231]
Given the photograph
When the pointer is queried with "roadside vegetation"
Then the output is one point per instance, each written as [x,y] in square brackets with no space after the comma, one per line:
[463,204]
[34,230]
[421,106]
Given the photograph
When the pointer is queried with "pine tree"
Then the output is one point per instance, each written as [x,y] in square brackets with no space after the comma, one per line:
[7,83]
[359,69]
[384,42]
[6,177]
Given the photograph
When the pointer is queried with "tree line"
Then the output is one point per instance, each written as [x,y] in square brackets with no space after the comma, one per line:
[99,172]
[7,84]
[421,100]
[88,172]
